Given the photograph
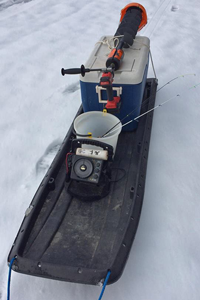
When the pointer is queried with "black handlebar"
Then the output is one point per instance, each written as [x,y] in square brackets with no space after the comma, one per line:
[82,70]
[71,71]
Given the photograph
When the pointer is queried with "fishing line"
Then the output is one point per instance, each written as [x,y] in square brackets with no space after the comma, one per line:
[147,101]
[152,109]
[175,79]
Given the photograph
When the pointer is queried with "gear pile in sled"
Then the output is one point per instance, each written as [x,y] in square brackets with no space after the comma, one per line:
[84,216]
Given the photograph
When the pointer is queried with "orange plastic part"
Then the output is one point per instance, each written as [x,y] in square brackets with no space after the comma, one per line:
[144,14]
[111,54]
[117,54]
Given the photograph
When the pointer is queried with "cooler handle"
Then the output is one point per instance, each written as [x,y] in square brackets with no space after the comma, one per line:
[99,90]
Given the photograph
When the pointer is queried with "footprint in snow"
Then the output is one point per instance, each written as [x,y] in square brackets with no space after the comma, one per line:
[72,88]
[41,166]
[45,161]
[174,8]
[9,3]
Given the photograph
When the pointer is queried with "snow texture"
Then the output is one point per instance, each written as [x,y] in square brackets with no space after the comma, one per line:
[37,39]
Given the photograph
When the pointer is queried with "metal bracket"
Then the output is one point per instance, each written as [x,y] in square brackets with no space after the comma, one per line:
[28,210]
[99,89]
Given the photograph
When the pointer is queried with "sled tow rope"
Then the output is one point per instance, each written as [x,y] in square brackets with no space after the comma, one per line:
[104,284]
[9,277]
[9,280]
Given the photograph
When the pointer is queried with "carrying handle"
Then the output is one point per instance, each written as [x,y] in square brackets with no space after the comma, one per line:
[133,18]
[82,70]
[77,143]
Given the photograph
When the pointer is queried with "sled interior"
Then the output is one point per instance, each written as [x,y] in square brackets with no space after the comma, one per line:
[64,238]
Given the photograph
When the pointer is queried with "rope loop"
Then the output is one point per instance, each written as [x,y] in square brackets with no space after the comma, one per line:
[104,284]
[9,276]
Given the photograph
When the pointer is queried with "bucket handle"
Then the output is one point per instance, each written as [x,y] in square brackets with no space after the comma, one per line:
[77,143]
[82,135]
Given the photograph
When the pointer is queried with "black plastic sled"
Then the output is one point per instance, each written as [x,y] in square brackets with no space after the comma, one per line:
[64,238]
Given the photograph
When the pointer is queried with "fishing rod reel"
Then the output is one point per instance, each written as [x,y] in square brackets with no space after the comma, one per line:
[88,170]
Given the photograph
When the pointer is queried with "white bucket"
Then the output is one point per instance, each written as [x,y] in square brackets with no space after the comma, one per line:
[98,123]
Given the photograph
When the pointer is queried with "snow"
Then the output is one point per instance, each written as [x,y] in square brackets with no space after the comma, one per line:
[37,39]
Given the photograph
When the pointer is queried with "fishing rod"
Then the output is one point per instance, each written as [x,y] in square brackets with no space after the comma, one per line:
[82,70]
[147,101]
[150,110]
[184,75]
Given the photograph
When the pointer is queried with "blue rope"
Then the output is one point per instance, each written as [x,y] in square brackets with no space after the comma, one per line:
[9,277]
[9,280]
[104,285]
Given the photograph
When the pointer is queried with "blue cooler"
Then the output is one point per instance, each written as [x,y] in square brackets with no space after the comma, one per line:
[129,81]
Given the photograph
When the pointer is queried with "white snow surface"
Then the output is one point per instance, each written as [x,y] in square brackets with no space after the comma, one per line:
[37,39]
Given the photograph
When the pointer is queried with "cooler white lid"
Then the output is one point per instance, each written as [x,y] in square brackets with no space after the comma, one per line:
[132,66]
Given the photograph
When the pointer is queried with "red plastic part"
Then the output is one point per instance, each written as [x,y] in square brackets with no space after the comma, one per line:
[113,104]
[110,79]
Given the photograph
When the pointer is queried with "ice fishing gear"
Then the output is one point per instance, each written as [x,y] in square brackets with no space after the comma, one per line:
[111,89]
[89,173]
[89,169]
[83,218]
[133,18]
[145,103]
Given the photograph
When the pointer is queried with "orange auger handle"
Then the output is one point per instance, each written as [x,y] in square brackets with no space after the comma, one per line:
[133,18]
[144,14]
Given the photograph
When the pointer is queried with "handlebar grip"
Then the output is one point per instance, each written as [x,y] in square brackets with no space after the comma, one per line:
[109,91]
[77,143]
[130,23]
[71,71]
[82,70]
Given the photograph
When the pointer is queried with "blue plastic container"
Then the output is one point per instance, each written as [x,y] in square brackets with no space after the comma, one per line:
[129,81]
